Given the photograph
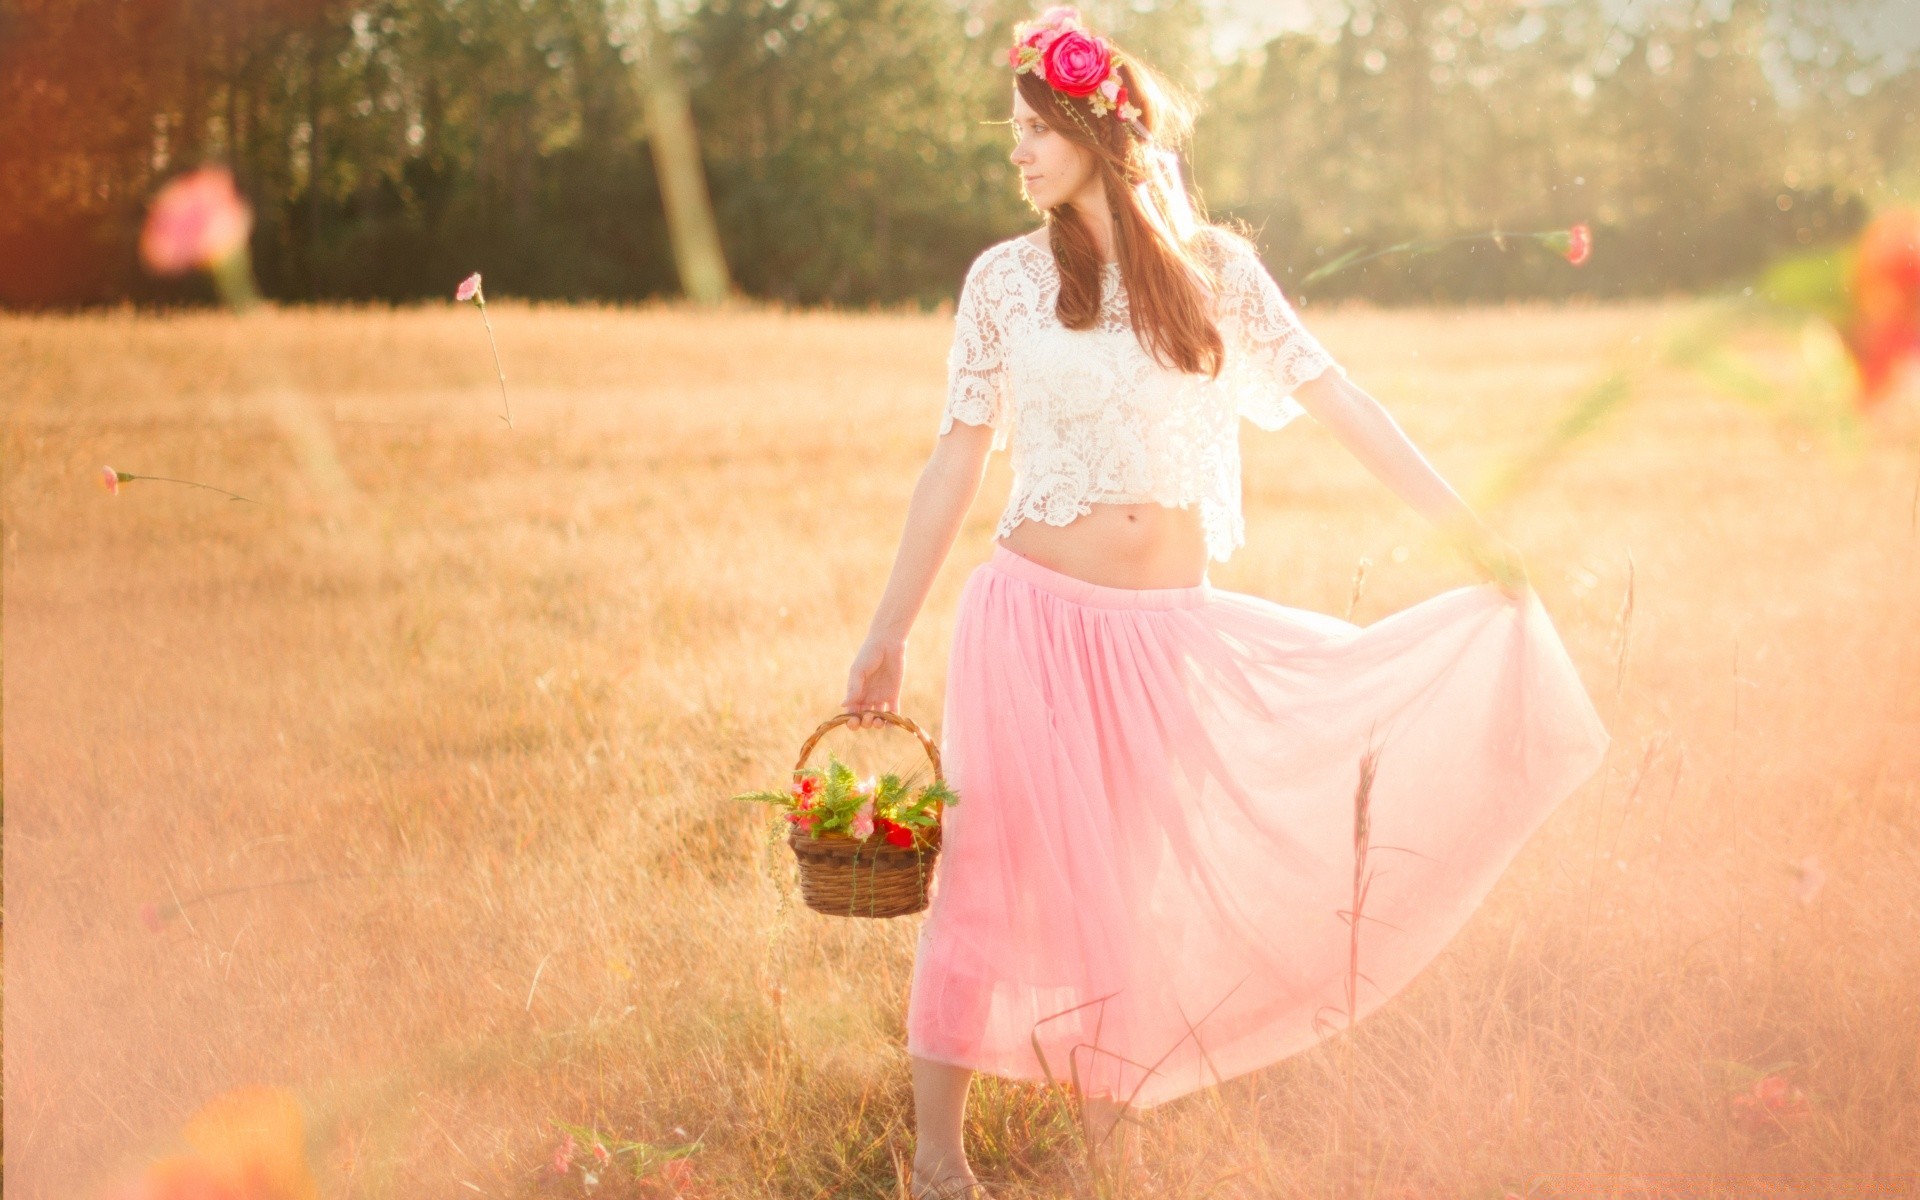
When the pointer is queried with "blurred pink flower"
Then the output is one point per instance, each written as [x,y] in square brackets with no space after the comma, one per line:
[196,220]
[469,289]
[151,918]
[1769,1105]
[601,1154]
[1579,244]
[111,480]
[562,1160]
[862,827]
[1810,879]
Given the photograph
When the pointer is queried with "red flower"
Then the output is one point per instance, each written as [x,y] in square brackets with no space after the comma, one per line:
[1884,334]
[1075,63]
[1579,244]
[562,1160]
[897,834]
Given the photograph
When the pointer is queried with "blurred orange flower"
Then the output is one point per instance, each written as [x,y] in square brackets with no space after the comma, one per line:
[197,220]
[248,1144]
[1884,333]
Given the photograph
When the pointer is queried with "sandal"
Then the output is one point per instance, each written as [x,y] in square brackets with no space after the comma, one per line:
[952,1187]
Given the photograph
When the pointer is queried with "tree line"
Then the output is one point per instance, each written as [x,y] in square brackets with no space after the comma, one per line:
[853,152]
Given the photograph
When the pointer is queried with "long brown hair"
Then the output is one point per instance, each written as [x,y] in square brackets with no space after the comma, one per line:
[1168,271]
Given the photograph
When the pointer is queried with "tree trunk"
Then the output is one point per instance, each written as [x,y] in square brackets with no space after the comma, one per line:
[675,145]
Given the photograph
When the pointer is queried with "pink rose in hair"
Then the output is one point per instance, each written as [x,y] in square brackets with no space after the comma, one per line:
[1076,64]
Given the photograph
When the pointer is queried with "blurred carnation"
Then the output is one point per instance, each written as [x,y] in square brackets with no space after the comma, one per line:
[197,220]
[562,1160]
[862,827]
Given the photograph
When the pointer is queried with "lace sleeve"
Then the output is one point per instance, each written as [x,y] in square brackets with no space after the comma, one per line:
[1276,353]
[976,364]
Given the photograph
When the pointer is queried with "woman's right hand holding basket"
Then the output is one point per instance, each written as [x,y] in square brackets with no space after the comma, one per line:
[873,682]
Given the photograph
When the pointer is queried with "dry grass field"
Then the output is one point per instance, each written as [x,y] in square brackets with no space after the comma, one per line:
[419,807]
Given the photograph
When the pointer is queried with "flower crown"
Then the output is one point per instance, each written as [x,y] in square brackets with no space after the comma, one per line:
[1061,50]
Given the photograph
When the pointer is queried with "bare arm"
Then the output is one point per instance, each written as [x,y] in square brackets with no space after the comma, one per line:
[946,490]
[1366,429]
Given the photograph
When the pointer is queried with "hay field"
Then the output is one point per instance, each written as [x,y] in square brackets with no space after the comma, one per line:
[429,795]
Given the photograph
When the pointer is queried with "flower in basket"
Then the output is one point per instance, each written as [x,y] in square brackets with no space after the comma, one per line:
[832,801]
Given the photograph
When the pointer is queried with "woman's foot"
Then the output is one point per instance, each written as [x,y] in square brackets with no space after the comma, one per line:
[944,1184]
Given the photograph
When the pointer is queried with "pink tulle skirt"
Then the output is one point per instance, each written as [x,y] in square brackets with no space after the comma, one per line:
[1144,888]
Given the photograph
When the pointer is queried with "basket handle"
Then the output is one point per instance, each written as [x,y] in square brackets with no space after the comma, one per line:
[906,723]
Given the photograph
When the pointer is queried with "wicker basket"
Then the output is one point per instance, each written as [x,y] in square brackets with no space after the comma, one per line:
[842,877]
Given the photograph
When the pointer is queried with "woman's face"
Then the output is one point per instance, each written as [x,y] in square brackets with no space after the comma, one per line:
[1052,168]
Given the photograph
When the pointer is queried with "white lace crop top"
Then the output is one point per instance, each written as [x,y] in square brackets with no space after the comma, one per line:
[1092,417]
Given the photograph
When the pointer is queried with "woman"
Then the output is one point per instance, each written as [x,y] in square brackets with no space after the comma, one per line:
[1141,890]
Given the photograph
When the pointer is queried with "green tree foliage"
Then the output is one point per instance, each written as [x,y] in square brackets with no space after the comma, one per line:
[1697,139]
[853,153]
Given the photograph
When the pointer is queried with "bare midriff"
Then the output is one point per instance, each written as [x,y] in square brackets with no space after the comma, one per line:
[1145,545]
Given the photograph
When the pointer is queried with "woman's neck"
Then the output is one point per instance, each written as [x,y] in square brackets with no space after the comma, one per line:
[1098,223]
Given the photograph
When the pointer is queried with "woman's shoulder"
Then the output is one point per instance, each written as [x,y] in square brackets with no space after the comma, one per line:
[1224,244]
[1003,263]
[1006,250]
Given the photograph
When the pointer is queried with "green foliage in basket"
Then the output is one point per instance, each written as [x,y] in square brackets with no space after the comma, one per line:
[834,800]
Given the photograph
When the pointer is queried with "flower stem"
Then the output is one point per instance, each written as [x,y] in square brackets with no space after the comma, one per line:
[501,371]
[1497,235]
[189,483]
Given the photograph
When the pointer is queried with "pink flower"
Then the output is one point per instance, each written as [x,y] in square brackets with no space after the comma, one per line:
[562,1160]
[1075,63]
[601,1154]
[110,480]
[197,220]
[862,827]
[1579,244]
[469,289]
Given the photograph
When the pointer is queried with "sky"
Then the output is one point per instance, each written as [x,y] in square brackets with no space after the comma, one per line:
[1883,31]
